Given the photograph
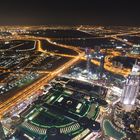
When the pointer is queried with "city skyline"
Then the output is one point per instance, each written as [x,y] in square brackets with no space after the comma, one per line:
[69,70]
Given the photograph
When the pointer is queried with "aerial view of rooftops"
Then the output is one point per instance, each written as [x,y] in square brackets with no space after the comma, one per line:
[69,83]
[70,70]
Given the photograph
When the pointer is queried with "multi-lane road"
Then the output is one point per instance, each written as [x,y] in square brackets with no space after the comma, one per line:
[30,90]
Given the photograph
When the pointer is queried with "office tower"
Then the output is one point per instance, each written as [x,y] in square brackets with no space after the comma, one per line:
[89,57]
[131,89]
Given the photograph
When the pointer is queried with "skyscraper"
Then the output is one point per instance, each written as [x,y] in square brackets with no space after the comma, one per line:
[131,89]
[89,57]
[101,67]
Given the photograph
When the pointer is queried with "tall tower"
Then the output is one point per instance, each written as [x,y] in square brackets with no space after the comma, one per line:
[2,135]
[131,89]
[89,57]
[101,67]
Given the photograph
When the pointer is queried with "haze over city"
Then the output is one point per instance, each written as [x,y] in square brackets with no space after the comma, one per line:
[69,12]
[69,70]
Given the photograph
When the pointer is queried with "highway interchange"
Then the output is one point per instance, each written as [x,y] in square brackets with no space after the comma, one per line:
[33,88]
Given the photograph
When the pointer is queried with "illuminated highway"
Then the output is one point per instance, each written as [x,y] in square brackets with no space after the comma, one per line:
[26,93]
[108,65]
[49,81]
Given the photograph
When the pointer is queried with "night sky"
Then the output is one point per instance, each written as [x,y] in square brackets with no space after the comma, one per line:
[69,12]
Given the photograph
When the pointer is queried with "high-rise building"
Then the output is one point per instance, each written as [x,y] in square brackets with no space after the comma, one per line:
[89,57]
[135,50]
[101,67]
[129,95]
[2,135]
[131,89]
